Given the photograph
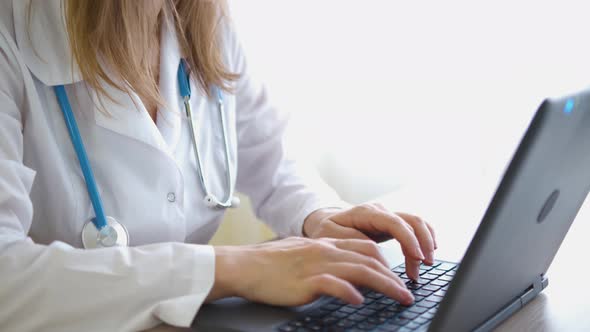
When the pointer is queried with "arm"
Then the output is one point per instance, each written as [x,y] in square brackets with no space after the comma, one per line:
[280,194]
[289,203]
[62,288]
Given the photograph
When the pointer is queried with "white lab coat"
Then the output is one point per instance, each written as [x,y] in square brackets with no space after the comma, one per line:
[147,178]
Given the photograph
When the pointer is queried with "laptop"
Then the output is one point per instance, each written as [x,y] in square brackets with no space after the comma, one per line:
[504,266]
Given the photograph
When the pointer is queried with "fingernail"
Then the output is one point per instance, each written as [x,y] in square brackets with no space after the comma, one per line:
[419,254]
[430,257]
[360,300]
[409,297]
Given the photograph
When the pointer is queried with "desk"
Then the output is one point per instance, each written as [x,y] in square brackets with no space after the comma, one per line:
[563,306]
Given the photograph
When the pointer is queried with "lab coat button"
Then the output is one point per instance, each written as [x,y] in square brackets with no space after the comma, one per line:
[171,197]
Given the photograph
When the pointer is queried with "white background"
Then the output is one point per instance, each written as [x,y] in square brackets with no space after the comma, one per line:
[385,94]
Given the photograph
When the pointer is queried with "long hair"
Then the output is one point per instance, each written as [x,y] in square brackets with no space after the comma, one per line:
[116,34]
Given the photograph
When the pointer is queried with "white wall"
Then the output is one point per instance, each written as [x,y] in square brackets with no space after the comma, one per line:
[385,93]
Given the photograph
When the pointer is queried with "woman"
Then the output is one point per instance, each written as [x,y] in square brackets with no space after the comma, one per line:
[116,65]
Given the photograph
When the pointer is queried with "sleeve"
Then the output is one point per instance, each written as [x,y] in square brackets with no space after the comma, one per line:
[283,191]
[60,288]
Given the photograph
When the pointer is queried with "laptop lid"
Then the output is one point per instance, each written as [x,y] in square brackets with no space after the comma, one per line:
[541,192]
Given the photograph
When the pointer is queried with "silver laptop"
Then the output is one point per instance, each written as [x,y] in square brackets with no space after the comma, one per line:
[504,267]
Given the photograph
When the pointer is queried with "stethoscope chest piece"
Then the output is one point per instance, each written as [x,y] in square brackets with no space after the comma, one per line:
[113,234]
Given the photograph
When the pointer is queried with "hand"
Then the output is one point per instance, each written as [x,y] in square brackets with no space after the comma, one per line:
[296,271]
[373,221]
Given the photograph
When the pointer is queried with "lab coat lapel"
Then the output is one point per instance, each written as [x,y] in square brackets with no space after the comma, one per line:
[127,116]
[47,54]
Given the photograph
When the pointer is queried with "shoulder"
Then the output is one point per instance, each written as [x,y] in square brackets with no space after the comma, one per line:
[231,46]
[7,17]
[11,64]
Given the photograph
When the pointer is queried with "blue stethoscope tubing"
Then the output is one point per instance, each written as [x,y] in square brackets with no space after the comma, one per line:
[108,231]
[100,219]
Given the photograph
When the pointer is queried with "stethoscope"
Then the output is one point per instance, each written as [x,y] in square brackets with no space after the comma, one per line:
[105,231]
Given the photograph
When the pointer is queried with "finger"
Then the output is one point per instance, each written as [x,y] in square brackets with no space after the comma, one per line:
[373,220]
[364,276]
[431,229]
[344,256]
[413,268]
[340,232]
[365,247]
[422,234]
[325,284]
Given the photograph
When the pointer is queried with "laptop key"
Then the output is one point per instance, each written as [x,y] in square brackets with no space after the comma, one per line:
[366,312]
[422,292]
[430,288]
[437,272]
[315,327]
[356,318]
[439,283]
[417,309]
[387,301]
[429,276]
[366,326]
[428,316]
[412,325]
[376,306]
[377,320]
[319,313]
[331,306]
[421,320]
[345,323]
[418,298]
[387,313]
[374,295]
[347,310]
[327,321]
[413,285]
[446,266]
[339,314]
[389,328]
[427,304]
[434,298]
[400,321]
[396,308]
[399,270]
[445,277]
[409,315]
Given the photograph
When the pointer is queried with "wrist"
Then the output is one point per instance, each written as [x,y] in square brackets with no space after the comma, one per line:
[226,266]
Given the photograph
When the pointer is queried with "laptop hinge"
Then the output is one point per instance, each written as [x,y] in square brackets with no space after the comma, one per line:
[538,285]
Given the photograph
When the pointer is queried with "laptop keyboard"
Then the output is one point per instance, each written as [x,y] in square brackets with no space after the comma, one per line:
[378,312]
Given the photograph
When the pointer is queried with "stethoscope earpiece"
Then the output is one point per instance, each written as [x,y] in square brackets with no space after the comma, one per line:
[212,202]
[235,202]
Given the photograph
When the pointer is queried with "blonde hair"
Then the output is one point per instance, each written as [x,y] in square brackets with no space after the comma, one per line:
[115,34]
